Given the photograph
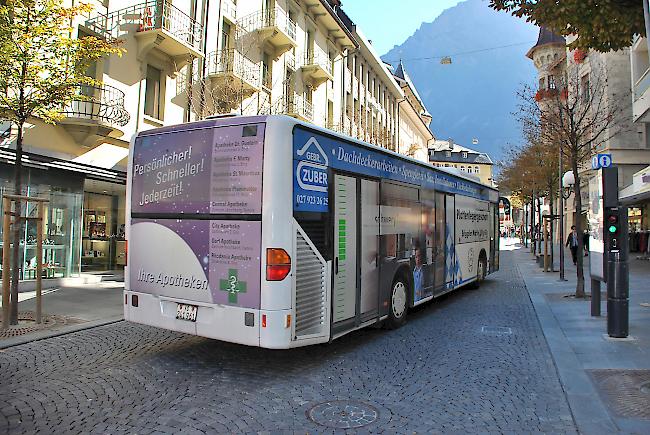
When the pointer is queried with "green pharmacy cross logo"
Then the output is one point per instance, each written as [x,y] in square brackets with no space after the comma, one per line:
[232,285]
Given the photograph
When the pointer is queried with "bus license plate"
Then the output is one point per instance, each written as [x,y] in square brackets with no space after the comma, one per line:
[186,312]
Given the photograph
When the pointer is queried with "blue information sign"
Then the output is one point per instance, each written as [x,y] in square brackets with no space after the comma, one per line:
[601,161]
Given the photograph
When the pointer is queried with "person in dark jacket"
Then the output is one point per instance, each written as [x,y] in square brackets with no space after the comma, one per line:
[572,243]
[585,242]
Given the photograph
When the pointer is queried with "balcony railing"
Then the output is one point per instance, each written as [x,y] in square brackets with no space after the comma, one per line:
[235,63]
[300,107]
[269,18]
[102,104]
[319,59]
[642,85]
[150,15]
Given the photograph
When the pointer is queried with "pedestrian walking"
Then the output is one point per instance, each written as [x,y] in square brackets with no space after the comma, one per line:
[585,242]
[572,243]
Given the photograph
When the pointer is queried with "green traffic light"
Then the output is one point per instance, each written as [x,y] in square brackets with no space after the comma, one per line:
[612,229]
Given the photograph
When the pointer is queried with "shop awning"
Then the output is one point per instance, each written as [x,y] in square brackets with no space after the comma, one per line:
[639,191]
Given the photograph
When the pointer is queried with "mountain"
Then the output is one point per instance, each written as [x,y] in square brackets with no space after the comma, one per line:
[475,95]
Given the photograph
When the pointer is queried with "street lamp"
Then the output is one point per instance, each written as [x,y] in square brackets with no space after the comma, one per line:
[568,180]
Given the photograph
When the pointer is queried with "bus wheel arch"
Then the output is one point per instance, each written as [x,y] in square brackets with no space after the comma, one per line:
[399,297]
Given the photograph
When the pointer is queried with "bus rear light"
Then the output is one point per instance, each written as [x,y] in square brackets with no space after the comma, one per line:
[263,320]
[134,300]
[126,299]
[278,264]
[126,252]
[287,321]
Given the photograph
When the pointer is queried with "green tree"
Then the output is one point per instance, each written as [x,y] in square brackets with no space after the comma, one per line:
[42,65]
[601,25]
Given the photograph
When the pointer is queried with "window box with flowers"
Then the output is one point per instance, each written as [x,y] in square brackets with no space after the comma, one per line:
[579,56]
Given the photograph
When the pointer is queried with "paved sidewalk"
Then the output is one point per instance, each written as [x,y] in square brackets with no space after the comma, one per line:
[83,306]
[606,380]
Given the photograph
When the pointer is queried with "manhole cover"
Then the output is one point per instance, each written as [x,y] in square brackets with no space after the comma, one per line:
[343,414]
[626,391]
[496,330]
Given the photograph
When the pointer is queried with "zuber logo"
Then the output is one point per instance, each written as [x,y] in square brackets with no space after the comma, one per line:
[311,173]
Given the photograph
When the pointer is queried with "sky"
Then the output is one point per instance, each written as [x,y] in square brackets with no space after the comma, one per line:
[387,25]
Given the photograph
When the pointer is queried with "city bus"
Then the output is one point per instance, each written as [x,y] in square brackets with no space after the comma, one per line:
[271,232]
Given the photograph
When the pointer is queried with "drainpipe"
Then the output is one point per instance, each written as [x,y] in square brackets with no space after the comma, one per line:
[397,127]
[646,15]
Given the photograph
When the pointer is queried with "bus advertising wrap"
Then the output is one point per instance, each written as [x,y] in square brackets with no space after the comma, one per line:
[209,170]
[314,153]
[213,261]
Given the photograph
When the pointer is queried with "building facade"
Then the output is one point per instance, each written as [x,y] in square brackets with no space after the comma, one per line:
[574,74]
[637,194]
[414,119]
[447,154]
[185,60]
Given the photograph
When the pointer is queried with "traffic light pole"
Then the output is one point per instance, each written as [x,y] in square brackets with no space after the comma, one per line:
[618,304]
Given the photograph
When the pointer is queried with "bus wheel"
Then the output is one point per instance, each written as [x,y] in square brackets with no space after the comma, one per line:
[398,303]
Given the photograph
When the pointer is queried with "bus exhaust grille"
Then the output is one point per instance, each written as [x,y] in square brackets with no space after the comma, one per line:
[311,289]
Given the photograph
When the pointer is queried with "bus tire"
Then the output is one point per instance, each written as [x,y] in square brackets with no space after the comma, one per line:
[399,292]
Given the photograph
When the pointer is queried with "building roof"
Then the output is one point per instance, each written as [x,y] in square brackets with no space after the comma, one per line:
[402,76]
[437,153]
[546,37]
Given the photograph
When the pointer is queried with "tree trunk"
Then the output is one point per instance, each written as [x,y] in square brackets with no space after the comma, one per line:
[540,226]
[580,275]
[524,228]
[533,242]
[550,222]
[17,229]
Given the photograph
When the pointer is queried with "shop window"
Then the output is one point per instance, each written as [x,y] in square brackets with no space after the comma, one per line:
[61,223]
[103,246]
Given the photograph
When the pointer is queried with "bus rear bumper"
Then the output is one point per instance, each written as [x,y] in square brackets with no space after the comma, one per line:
[271,329]
[220,322]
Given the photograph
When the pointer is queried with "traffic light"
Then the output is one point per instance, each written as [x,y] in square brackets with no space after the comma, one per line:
[612,221]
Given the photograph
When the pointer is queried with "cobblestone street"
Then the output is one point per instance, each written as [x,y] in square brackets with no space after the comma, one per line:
[474,361]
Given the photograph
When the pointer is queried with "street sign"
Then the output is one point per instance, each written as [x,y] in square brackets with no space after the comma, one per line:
[601,161]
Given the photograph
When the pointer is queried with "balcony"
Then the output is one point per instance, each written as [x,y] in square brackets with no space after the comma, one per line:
[299,108]
[156,24]
[317,68]
[232,70]
[274,27]
[95,113]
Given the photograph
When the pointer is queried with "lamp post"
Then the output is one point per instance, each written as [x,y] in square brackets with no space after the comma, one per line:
[567,182]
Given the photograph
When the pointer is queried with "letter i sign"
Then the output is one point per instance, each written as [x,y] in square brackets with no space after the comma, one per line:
[232,285]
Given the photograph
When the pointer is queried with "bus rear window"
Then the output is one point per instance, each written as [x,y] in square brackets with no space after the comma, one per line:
[211,170]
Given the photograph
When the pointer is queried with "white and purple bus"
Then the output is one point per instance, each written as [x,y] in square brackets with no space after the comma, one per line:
[270,232]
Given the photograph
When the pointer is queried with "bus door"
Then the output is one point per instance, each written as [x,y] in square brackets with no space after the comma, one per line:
[356,229]
[450,251]
[494,237]
[439,243]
